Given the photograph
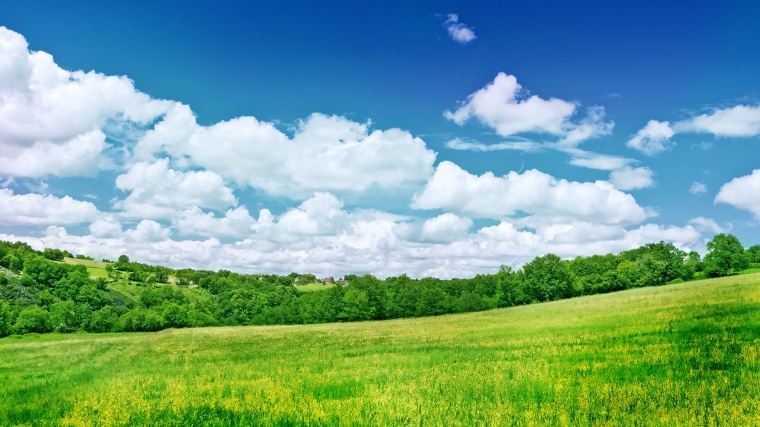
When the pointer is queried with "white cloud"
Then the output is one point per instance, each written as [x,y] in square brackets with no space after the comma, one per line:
[445,228]
[527,146]
[51,119]
[38,209]
[597,161]
[320,215]
[107,226]
[628,178]
[707,224]
[75,157]
[533,192]
[697,188]
[503,106]
[458,31]
[147,231]
[327,153]
[737,121]
[742,192]
[590,127]
[159,192]
[374,242]
[236,223]
[654,138]
[500,106]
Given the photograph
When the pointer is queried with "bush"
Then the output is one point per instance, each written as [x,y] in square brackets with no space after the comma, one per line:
[32,319]
[141,320]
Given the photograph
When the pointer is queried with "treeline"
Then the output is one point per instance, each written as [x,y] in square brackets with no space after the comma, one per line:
[38,293]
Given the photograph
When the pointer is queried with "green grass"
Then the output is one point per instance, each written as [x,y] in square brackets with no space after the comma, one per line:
[311,287]
[679,355]
[94,268]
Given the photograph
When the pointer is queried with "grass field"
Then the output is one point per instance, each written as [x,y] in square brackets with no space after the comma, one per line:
[311,287]
[94,268]
[678,355]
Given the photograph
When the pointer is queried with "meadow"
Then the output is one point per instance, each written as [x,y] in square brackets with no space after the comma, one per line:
[676,355]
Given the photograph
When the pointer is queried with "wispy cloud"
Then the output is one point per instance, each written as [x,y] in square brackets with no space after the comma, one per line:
[458,31]
[697,188]
[527,146]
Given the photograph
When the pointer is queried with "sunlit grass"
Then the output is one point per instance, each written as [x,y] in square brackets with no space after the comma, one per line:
[315,287]
[95,269]
[683,354]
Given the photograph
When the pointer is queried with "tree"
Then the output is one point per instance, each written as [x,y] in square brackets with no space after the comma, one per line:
[68,316]
[32,319]
[355,306]
[175,316]
[5,318]
[725,256]
[53,254]
[753,253]
[103,320]
[547,278]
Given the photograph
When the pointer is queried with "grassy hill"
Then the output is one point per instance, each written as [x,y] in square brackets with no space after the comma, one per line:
[684,354]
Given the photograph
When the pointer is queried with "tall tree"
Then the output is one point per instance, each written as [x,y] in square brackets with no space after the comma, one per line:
[725,256]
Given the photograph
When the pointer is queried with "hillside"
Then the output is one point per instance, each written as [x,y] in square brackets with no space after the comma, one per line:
[683,354]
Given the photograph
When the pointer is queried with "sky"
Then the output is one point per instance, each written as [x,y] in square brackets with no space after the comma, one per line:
[425,138]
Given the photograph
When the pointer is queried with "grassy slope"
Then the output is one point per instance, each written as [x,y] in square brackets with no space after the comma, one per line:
[685,354]
[94,268]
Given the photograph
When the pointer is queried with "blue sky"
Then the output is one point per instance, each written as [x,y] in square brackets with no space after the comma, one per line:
[429,138]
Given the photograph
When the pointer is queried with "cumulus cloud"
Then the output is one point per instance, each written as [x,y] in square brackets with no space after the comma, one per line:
[51,119]
[697,188]
[737,121]
[501,105]
[147,231]
[445,228]
[628,178]
[373,242]
[654,138]
[455,190]
[458,31]
[75,157]
[38,209]
[108,226]
[235,222]
[742,192]
[156,191]
[326,153]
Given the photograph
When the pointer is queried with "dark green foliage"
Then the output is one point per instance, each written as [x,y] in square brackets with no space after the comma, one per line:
[53,254]
[103,320]
[175,316]
[33,319]
[141,320]
[547,278]
[68,316]
[6,318]
[753,254]
[725,256]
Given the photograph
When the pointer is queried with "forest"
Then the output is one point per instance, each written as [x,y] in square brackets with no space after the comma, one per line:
[41,293]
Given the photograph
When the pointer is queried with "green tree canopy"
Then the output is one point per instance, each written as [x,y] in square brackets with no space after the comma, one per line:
[725,256]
